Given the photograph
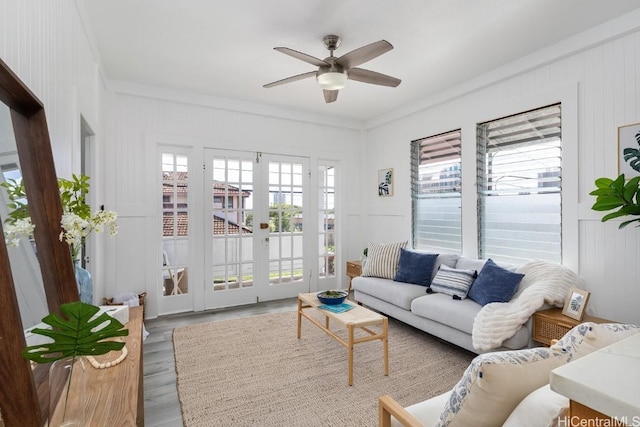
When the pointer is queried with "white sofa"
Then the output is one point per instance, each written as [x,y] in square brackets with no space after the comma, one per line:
[454,320]
[509,389]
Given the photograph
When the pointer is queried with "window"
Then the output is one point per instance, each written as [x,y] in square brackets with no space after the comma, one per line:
[175,223]
[519,187]
[436,193]
[327,217]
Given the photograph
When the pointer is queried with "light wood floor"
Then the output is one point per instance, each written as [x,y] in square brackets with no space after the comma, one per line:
[161,406]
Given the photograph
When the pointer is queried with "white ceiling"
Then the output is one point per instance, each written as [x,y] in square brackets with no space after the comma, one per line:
[225,48]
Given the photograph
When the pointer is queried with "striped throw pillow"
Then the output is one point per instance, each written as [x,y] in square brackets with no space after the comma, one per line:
[453,282]
[382,260]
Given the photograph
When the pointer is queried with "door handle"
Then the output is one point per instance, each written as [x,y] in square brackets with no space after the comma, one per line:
[264,225]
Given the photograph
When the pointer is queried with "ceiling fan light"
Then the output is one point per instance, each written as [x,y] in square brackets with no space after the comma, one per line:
[332,80]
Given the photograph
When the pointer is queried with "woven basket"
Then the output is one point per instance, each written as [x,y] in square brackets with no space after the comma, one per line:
[142,296]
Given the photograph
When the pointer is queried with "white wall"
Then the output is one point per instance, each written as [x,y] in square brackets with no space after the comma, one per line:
[595,76]
[144,118]
[46,44]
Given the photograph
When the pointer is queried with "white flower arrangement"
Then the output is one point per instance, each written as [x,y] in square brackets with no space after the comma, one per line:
[77,221]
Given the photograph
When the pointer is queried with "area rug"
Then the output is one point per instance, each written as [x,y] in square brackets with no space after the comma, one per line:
[255,372]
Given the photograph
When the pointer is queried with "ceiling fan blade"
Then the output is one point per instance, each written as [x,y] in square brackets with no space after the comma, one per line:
[291,79]
[372,77]
[364,54]
[330,95]
[302,56]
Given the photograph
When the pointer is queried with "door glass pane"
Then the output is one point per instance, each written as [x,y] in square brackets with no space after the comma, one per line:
[285,222]
[175,224]
[232,222]
[326,221]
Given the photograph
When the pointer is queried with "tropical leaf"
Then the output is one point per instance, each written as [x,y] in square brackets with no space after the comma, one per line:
[81,333]
[632,156]
[630,189]
[604,182]
[605,203]
[624,224]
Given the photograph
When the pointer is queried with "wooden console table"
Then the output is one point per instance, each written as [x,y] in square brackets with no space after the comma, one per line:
[354,269]
[114,396]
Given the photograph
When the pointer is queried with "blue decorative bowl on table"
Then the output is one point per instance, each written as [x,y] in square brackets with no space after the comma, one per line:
[332,297]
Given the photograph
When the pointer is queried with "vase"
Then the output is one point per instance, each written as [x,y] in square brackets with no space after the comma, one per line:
[85,284]
[67,392]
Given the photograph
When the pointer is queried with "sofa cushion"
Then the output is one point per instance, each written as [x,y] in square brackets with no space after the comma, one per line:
[464,263]
[494,284]
[398,294]
[458,314]
[495,383]
[415,267]
[452,281]
[382,259]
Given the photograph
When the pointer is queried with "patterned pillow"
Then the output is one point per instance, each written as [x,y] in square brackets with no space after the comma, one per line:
[588,337]
[495,383]
[382,260]
[452,282]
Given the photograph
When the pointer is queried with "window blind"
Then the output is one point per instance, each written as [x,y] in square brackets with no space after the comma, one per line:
[519,164]
[435,194]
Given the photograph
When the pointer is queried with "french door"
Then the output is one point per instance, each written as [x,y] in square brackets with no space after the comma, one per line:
[256,245]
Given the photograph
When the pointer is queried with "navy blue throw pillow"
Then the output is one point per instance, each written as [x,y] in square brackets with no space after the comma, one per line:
[415,267]
[494,284]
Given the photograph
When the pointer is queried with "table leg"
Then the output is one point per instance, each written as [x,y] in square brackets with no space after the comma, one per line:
[299,318]
[350,351]
[385,344]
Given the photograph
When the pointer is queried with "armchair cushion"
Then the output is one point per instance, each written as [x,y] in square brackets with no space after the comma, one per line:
[541,408]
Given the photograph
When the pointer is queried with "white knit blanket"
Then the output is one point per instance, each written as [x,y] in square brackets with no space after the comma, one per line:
[544,282]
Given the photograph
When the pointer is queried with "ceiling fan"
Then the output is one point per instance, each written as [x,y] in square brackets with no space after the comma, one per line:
[333,73]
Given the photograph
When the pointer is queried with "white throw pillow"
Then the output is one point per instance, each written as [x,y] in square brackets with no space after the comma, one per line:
[382,260]
[541,408]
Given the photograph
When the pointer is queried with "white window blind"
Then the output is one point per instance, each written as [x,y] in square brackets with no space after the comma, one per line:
[519,187]
[435,194]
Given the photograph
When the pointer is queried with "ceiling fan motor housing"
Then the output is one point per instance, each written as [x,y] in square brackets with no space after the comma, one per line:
[331,42]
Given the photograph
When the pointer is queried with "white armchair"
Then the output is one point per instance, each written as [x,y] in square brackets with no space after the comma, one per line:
[509,388]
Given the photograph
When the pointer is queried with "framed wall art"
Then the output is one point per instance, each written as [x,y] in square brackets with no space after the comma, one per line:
[385,182]
[629,150]
[575,303]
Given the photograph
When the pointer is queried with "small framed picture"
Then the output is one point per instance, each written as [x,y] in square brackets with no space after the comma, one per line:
[629,150]
[575,303]
[385,182]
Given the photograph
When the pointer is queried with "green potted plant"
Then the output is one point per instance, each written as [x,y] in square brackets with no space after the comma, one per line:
[618,194]
[81,333]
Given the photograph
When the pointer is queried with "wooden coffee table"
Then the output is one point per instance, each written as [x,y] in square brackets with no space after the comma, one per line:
[356,318]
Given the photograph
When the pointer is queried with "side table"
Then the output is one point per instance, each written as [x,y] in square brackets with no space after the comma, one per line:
[551,325]
[354,269]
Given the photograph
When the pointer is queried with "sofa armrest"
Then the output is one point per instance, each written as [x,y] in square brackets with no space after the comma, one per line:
[387,406]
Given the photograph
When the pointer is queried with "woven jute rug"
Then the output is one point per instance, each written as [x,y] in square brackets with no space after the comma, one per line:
[255,372]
